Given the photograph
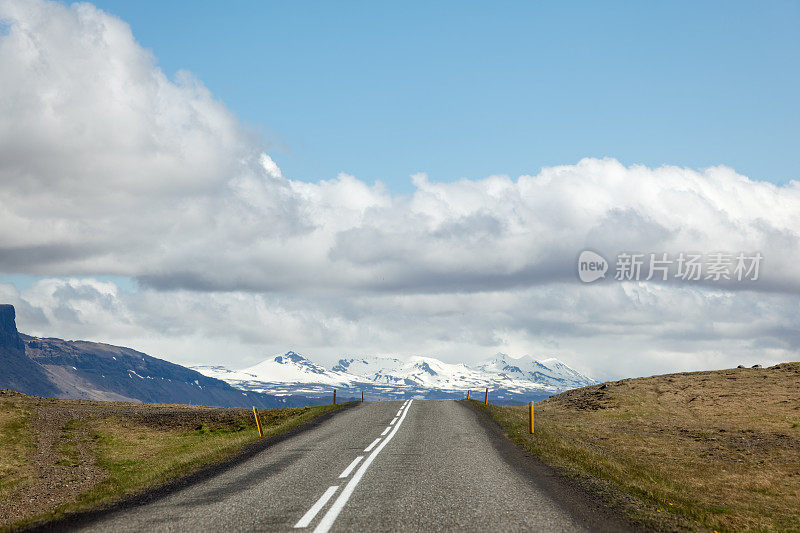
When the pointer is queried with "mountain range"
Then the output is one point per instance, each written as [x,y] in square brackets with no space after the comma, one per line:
[50,367]
[510,380]
[58,368]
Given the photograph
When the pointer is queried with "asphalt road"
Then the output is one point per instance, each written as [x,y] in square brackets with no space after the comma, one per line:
[437,466]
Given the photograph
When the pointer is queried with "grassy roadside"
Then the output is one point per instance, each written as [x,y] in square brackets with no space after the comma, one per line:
[704,450]
[137,458]
[124,455]
[16,444]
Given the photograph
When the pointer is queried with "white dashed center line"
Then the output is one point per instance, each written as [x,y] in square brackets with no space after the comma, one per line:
[387,430]
[309,516]
[393,421]
[330,517]
[374,443]
[350,467]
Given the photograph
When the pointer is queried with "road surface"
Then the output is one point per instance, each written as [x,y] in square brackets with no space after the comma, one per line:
[422,465]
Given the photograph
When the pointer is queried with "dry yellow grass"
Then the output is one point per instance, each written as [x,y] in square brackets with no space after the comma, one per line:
[719,450]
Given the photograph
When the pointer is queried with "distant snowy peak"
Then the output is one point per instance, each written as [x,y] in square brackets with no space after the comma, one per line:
[415,371]
[502,364]
[292,367]
[291,372]
[367,367]
[284,369]
[547,371]
[290,364]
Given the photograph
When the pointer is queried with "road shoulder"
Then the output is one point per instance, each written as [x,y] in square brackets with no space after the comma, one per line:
[592,504]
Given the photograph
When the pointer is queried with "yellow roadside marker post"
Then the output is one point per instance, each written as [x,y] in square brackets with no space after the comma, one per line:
[362,395]
[531,418]
[334,396]
[258,422]
[467,395]
[486,399]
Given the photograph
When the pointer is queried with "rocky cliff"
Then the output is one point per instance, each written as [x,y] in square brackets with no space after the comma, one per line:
[17,371]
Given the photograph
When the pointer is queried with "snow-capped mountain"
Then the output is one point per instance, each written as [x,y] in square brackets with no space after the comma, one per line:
[525,372]
[287,373]
[547,371]
[424,372]
[416,371]
[510,380]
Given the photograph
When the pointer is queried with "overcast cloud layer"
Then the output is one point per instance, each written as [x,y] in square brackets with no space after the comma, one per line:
[107,167]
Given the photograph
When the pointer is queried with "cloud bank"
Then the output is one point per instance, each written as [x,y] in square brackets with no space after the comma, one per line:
[108,167]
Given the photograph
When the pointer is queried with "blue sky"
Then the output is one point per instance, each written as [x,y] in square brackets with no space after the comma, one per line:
[468,89]
[140,212]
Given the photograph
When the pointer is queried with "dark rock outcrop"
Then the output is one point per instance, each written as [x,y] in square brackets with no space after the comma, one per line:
[9,336]
[17,371]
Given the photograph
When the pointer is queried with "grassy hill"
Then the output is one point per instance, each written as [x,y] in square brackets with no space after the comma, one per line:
[61,456]
[717,450]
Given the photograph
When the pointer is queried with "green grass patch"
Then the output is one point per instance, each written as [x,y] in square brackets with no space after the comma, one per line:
[17,443]
[67,445]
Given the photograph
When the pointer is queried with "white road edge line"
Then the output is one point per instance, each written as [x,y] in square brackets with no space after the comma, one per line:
[387,430]
[330,517]
[393,421]
[369,448]
[350,467]
[311,513]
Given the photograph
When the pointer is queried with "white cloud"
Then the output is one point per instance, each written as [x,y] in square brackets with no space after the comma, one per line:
[608,330]
[107,167]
